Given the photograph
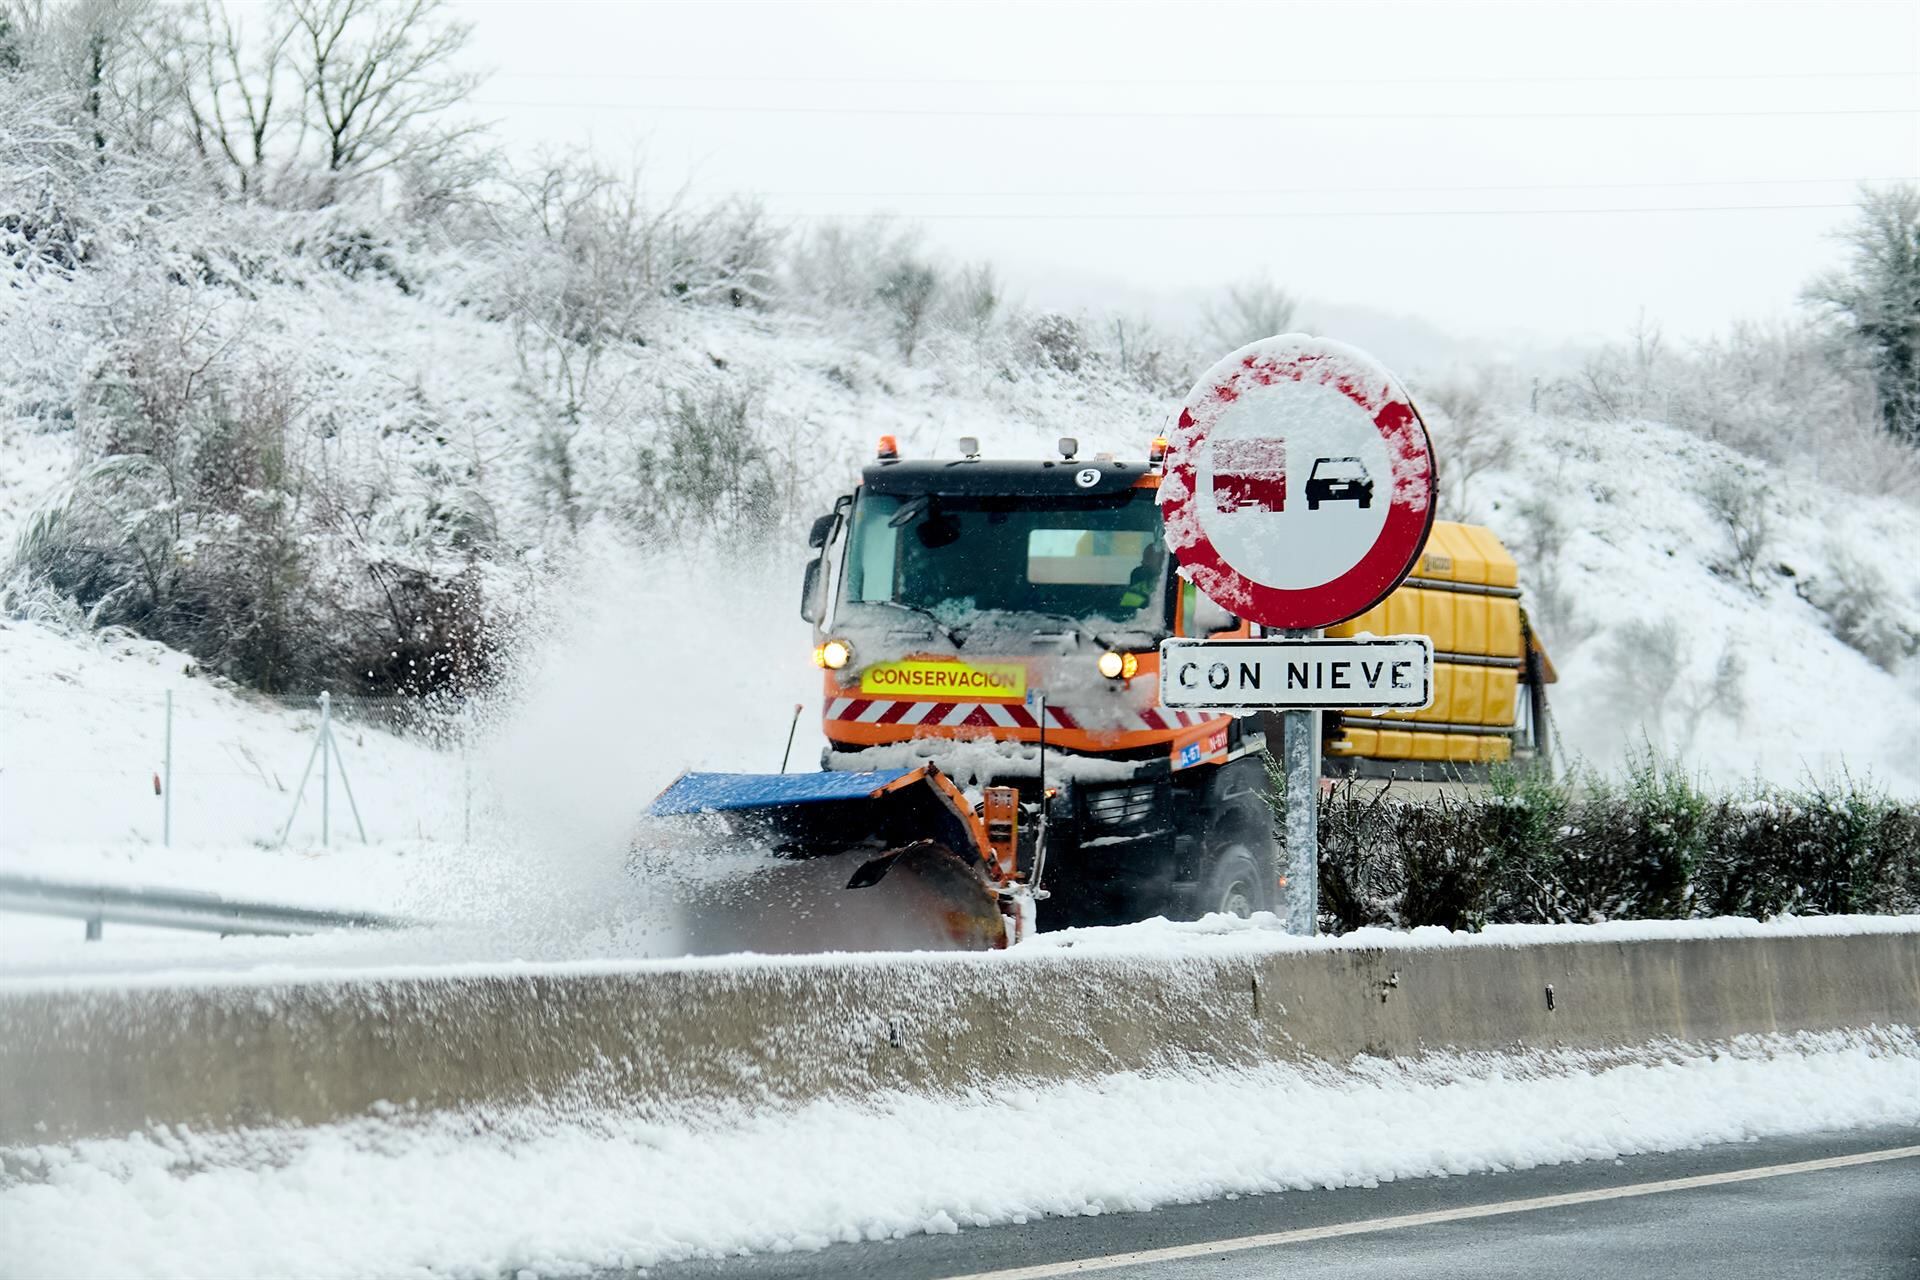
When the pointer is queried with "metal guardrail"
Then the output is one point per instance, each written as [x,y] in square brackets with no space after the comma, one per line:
[175,909]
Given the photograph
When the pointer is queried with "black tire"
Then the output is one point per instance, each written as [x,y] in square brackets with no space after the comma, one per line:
[1235,884]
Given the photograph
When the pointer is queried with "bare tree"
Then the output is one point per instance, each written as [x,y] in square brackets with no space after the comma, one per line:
[1467,432]
[332,88]
[376,74]
[92,49]
[1249,312]
[231,88]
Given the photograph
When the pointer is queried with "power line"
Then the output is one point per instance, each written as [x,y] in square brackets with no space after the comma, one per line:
[969,113]
[1265,81]
[1327,191]
[1245,215]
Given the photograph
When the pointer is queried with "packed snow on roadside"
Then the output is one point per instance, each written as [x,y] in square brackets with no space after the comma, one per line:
[636,938]
[424,1197]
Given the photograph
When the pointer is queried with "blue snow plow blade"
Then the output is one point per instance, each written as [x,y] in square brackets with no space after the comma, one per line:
[722,792]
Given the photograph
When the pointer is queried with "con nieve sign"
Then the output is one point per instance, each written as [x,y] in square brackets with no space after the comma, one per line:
[1393,673]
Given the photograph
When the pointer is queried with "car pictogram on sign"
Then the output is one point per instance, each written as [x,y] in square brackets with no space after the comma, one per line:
[1250,475]
[1339,480]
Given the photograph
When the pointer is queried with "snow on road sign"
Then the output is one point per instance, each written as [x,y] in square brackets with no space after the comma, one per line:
[1299,483]
[1394,673]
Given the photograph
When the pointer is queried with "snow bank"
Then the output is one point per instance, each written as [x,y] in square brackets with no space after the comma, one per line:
[403,1198]
[625,942]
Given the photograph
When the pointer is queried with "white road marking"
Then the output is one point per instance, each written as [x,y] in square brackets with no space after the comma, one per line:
[1144,1257]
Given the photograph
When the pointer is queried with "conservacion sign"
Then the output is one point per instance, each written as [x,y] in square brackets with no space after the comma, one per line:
[923,679]
[1392,673]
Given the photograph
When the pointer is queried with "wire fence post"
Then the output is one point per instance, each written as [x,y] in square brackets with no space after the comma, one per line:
[326,770]
[346,784]
[466,774]
[166,788]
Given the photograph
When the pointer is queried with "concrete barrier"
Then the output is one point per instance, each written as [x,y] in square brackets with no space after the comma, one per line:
[98,1061]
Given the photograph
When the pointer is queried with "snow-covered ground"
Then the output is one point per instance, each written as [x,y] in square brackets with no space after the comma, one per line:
[83,733]
[399,1197]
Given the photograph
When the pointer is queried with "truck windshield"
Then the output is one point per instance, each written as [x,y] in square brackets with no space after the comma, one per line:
[1093,557]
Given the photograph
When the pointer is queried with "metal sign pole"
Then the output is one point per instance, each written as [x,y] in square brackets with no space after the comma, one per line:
[1300,757]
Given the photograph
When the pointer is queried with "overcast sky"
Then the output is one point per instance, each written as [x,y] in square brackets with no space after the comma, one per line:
[1469,164]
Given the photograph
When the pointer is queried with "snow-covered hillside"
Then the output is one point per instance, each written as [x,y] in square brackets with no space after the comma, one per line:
[1614,521]
[1658,636]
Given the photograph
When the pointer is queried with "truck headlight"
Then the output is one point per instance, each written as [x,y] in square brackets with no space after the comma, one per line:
[833,655]
[1118,666]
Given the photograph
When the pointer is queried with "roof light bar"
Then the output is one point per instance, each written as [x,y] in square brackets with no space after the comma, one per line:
[889,450]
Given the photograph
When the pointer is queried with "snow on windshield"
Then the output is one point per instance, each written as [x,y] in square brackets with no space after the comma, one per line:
[955,558]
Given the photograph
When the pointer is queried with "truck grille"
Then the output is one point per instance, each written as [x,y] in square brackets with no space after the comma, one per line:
[1120,806]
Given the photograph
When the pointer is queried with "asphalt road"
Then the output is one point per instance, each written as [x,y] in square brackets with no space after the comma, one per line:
[1740,1211]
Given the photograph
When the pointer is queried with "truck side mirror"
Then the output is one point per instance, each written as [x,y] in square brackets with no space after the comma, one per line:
[822,530]
[813,595]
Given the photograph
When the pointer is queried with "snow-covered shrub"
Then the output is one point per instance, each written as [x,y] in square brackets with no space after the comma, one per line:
[973,302]
[1056,341]
[711,468]
[1553,608]
[839,266]
[1861,609]
[220,507]
[1786,393]
[1522,826]
[1650,834]
[1247,312]
[1740,506]
[908,293]
[1445,880]
[1644,659]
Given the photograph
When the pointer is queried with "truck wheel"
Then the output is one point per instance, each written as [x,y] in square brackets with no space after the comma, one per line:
[1235,885]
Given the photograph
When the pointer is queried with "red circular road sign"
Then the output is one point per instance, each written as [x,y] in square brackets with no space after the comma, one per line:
[1299,483]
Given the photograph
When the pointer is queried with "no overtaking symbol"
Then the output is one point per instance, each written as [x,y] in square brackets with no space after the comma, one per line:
[1299,483]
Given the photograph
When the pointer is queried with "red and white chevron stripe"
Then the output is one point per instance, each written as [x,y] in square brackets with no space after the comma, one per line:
[992,715]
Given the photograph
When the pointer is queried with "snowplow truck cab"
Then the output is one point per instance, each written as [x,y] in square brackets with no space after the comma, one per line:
[998,623]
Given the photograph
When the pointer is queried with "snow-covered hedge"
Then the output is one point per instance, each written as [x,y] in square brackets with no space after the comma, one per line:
[1654,847]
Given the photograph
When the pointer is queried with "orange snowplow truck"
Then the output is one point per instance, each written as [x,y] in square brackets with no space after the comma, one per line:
[989,634]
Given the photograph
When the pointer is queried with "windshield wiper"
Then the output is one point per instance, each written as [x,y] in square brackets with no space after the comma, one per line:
[1077,626]
[939,625]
